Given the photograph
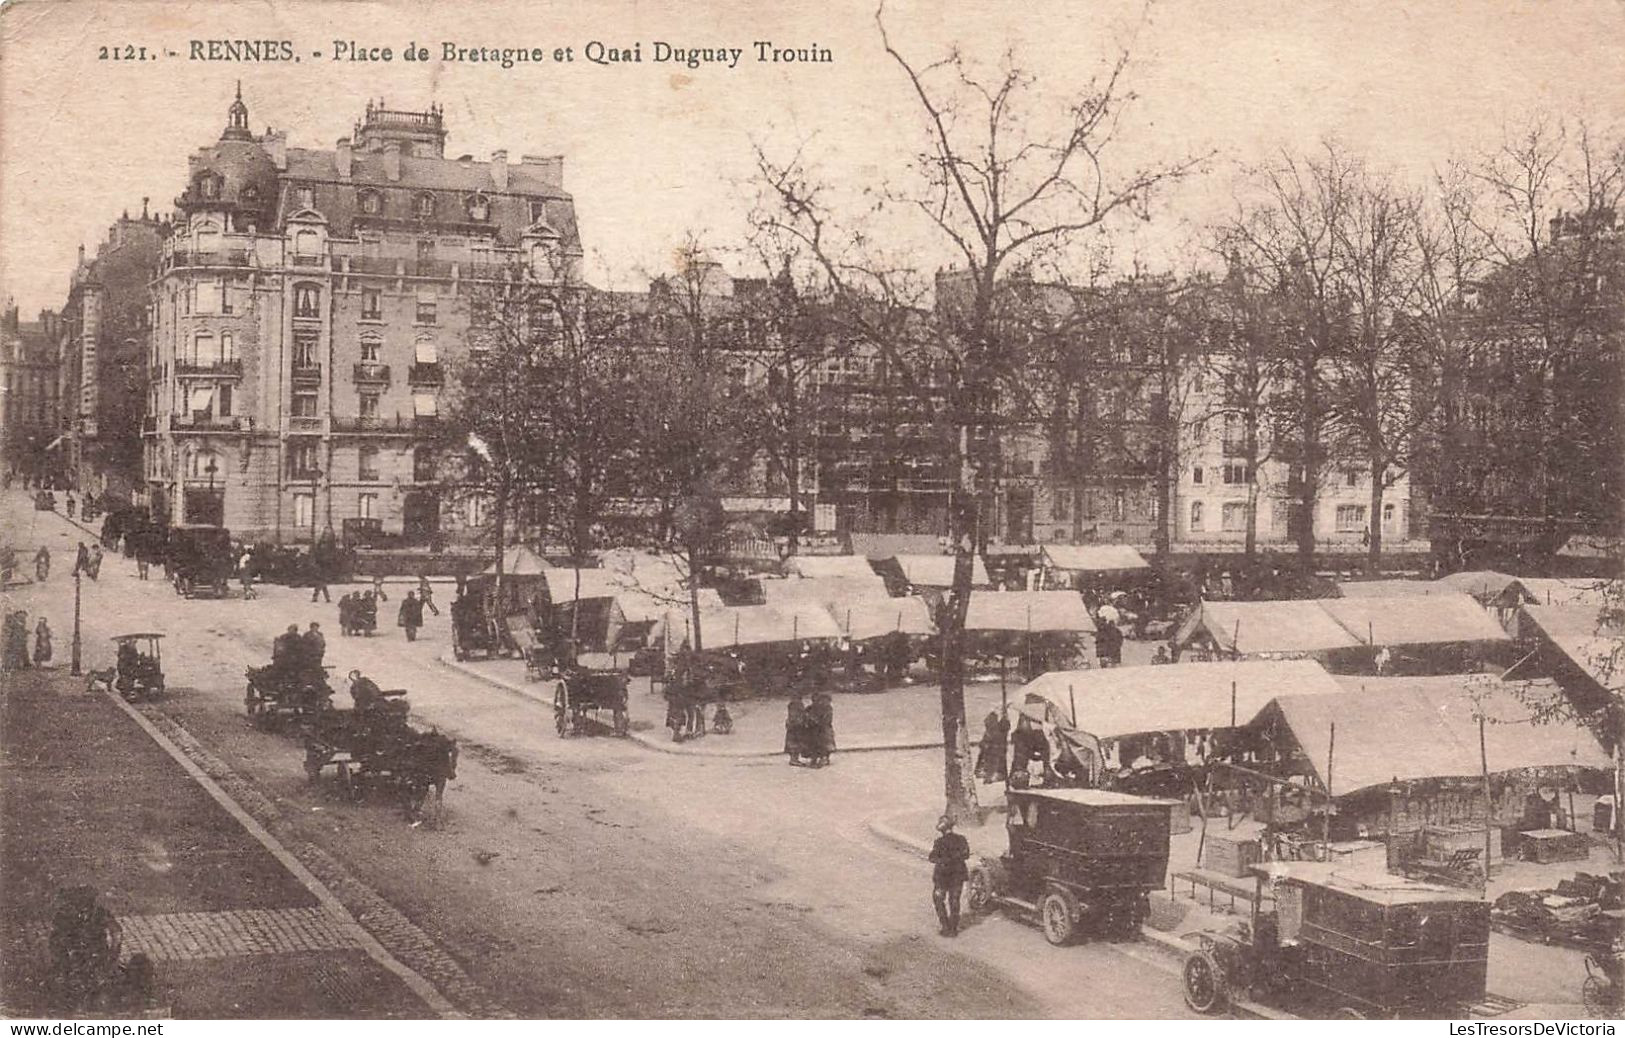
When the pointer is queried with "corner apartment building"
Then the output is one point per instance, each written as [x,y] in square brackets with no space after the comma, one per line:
[306,309]
[30,401]
[105,328]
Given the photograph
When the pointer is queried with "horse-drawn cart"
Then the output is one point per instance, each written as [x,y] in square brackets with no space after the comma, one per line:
[582,697]
[374,749]
[278,694]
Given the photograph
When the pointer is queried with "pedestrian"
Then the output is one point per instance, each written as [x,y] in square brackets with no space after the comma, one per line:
[246,577]
[70,506]
[42,643]
[426,595]
[81,560]
[142,560]
[378,587]
[948,875]
[318,583]
[42,564]
[795,727]
[94,563]
[411,616]
[315,646]
[821,728]
[1108,643]
[995,741]
[1030,746]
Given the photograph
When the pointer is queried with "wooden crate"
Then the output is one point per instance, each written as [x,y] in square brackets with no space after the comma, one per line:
[1549,845]
[1441,841]
[1230,855]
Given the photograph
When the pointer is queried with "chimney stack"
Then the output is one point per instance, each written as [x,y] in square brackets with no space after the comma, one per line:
[392,160]
[499,170]
[549,167]
[343,158]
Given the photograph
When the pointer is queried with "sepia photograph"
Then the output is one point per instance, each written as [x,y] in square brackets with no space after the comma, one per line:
[860,510]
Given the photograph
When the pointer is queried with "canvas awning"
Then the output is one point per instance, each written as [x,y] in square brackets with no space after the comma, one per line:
[878,616]
[1027,611]
[938,570]
[1440,619]
[819,566]
[1385,588]
[1093,558]
[1409,729]
[518,562]
[1595,649]
[1118,701]
[1252,628]
[824,591]
[1484,585]
[1562,591]
[733,626]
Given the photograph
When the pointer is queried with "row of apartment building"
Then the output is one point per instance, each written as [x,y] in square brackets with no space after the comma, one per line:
[273,357]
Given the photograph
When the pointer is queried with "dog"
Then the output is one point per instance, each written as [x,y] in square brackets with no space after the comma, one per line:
[102,679]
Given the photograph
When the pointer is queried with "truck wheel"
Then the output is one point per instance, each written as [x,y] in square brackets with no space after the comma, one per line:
[1204,983]
[1056,911]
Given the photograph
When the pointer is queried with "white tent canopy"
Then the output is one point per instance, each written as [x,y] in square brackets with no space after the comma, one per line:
[733,626]
[1438,619]
[878,616]
[1118,701]
[1249,628]
[1093,558]
[816,566]
[825,591]
[938,570]
[1027,611]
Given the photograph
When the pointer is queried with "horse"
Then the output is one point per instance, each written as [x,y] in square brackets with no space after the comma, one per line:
[430,761]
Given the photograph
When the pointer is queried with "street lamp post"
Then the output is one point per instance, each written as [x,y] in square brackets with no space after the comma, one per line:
[75,668]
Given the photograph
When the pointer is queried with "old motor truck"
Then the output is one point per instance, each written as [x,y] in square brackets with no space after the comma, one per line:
[1080,860]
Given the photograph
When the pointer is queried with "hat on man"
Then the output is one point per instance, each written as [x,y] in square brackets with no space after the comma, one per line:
[944,824]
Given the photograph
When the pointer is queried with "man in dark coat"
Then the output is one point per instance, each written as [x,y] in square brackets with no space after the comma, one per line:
[995,741]
[795,727]
[315,647]
[948,875]
[1108,644]
[820,729]
[1030,745]
[411,615]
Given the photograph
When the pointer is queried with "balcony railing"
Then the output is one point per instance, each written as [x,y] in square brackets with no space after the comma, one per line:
[305,422]
[373,424]
[425,374]
[217,367]
[212,258]
[304,475]
[374,265]
[430,268]
[370,371]
[204,420]
[307,372]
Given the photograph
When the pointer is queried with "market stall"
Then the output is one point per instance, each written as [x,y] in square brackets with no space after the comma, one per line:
[1243,630]
[818,566]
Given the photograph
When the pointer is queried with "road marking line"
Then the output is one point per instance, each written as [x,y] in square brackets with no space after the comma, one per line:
[418,985]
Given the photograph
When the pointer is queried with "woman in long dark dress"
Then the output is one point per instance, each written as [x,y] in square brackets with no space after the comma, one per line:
[821,729]
[795,726]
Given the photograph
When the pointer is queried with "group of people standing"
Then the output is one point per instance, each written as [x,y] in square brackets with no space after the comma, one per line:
[14,652]
[809,730]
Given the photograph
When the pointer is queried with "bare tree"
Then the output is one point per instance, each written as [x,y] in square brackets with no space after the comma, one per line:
[1000,189]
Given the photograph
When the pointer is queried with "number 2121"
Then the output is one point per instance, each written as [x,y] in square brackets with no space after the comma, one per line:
[127,52]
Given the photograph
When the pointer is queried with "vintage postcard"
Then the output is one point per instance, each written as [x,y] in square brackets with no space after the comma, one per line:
[870,509]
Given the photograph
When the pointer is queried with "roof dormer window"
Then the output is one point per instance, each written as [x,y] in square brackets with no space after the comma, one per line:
[371,203]
[425,206]
[306,196]
[208,186]
[479,207]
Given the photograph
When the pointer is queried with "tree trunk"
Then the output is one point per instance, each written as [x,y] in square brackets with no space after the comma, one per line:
[959,781]
[1373,555]
[694,597]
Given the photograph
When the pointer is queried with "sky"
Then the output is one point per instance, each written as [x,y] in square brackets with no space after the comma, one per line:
[656,151]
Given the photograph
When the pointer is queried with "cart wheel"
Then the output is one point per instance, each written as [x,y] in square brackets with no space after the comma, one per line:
[1594,996]
[980,895]
[1206,990]
[1348,1013]
[1056,910]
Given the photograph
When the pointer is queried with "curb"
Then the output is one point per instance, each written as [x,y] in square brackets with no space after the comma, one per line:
[656,744]
[414,981]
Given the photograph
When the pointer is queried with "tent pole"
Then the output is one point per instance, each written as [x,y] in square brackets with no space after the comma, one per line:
[1484,768]
[1232,704]
[1326,818]
[1072,701]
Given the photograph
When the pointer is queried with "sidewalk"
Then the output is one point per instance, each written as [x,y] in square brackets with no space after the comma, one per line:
[234,930]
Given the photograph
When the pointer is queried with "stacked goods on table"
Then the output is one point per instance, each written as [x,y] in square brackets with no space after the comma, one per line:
[1582,911]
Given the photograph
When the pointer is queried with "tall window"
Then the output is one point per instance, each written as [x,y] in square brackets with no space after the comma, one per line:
[366,506]
[207,296]
[203,349]
[1196,474]
[368,405]
[372,304]
[307,243]
[1350,518]
[304,509]
[371,203]
[424,405]
[1233,516]
[1236,475]
[302,458]
[426,311]
[1061,504]
[423,465]
[222,399]
[425,352]
[304,405]
[370,347]
[202,465]
[307,300]
[306,347]
[1120,504]
[1196,517]
[306,197]
[228,349]
[425,206]
[367,464]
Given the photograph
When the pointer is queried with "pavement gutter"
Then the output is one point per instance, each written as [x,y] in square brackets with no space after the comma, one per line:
[413,980]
